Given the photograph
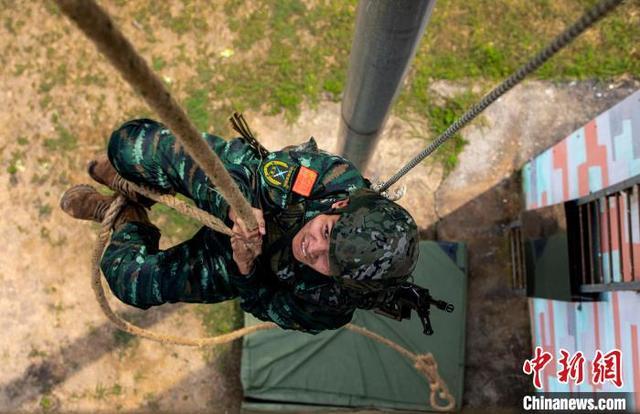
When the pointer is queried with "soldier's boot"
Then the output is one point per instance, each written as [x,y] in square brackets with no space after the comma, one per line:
[85,203]
[103,172]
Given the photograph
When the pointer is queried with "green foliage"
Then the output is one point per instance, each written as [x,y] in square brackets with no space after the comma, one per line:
[46,403]
[293,52]
[15,162]
[54,76]
[158,63]
[197,107]
[440,112]
[65,140]
[101,392]
[44,210]
[490,40]
[298,53]
[123,339]
[220,318]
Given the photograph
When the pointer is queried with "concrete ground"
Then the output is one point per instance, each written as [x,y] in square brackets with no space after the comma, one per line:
[60,354]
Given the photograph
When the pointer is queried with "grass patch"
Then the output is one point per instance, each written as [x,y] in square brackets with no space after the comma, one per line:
[219,318]
[304,58]
[188,18]
[158,63]
[65,141]
[197,107]
[47,404]
[125,343]
[492,39]
[96,79]
[101,392]
[440,112]
[20,68]
[36,353]
[16,162]
[44,210]
[123,339]
[307,48]
[54,76]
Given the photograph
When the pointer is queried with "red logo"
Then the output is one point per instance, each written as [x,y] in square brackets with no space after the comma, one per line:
[537,364]
[571,367]
[607,367]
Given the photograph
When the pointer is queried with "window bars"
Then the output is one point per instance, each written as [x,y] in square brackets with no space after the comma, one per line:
[606,239]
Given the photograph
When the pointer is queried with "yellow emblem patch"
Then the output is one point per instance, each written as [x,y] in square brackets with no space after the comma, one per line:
[278,173]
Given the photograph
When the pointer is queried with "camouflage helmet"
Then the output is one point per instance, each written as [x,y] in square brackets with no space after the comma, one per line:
[373,240]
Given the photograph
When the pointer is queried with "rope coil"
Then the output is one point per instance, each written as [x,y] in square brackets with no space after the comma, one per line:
[424,364]
[97,25]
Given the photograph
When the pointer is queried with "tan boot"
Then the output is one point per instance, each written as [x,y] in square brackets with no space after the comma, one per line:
[85,203]
[103,172]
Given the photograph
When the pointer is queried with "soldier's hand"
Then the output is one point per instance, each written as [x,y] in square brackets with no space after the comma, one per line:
[246,245]
[244,252]
[242,227]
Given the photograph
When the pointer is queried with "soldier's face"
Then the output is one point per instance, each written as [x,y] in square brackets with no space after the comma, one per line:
[311,244]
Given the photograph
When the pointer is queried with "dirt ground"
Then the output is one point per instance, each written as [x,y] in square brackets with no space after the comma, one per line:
[59,102]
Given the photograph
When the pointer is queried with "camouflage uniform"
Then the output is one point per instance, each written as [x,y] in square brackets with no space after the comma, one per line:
[202,269]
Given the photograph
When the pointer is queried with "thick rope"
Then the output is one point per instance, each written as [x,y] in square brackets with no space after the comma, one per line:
[98,26]
[566,37]
[96,279]
[425,364]
[196,213]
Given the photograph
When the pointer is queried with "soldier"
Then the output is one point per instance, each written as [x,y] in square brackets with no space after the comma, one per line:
[326,243]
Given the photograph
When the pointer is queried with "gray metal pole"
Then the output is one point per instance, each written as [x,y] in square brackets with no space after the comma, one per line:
[386,38]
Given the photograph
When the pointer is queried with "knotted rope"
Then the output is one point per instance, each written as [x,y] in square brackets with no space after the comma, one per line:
[97,25]
[425,364]
[98,289]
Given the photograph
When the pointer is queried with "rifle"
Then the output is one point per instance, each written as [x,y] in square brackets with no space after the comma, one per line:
[408,296]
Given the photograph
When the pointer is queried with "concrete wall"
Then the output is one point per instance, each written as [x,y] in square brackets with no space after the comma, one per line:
[602,153]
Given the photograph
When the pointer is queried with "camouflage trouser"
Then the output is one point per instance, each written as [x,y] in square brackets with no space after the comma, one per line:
[198,270]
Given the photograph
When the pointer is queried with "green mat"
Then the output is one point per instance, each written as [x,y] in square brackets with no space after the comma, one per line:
[293,371]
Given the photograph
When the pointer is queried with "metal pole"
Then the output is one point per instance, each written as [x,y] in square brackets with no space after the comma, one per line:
[386,38]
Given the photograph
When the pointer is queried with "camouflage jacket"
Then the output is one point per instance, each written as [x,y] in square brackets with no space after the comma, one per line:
[285,186]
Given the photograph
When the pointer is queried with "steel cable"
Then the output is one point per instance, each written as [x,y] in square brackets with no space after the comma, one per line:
[587,20]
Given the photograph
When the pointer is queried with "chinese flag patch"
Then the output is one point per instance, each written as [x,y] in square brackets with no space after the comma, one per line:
[304,181]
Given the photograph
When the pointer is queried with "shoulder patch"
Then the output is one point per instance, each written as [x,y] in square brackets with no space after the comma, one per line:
[305,180]
[278,173]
